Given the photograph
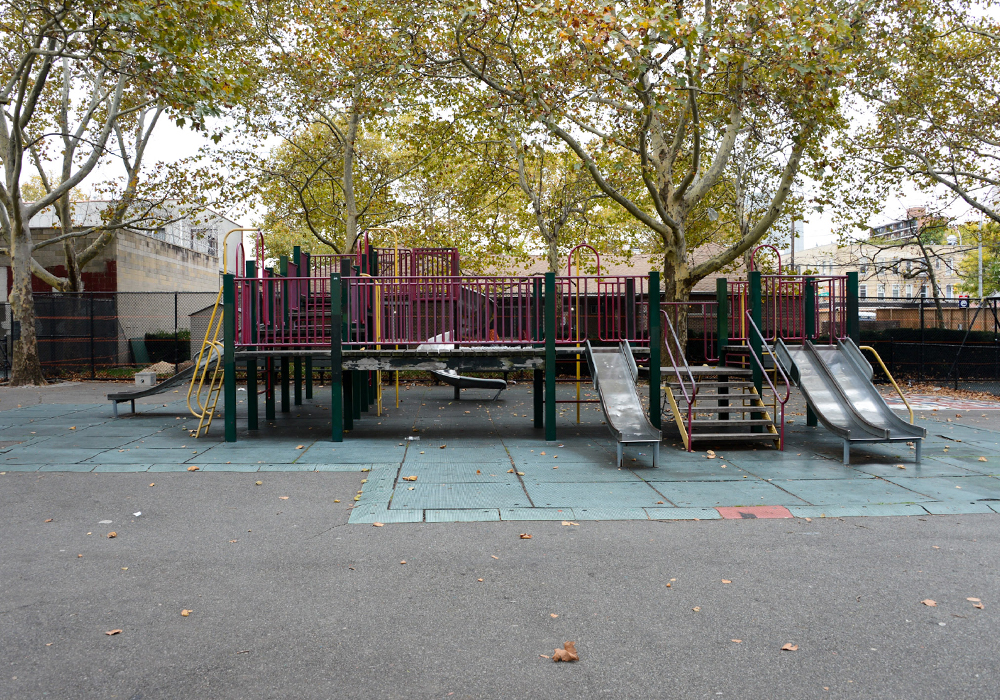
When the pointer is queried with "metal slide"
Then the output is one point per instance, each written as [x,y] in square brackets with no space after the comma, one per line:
[614,373]
[450,376]
[182,377]
[837,384]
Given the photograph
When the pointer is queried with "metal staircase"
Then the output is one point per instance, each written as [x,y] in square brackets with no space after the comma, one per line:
[724,407]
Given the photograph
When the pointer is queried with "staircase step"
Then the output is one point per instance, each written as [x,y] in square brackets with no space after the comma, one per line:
[742,437]
[709,423]
[727,409]
[708,372]
[709,385]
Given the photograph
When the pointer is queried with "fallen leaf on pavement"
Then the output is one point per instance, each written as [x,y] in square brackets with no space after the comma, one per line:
[110,632]
[72,427]
[567,522]
[725,580]
[520,473]
[283,498]
[790,647]
[982,459]
[403,561]
[544,656]
[973,600]
[112,535]
[511,471]
[192,469]
[494,556]
[185,613]
[258,483]
[233,541]
[409,478]
[442,447]
[480,580]
[553,615]
[377,524]
[978,606]
[299,447]
[696,608]
[737,641]
[525,536]
[567,653]
[153,484]
[336,500]
[929,603]
[49,520]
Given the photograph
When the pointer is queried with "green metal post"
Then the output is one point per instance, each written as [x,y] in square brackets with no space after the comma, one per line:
[229,354]
[345,334]
[297,368]
[309,376]
[356,393]
[722,317]
[538,391]
[252,414]
[755,345]
[536,334]
[269,390]
[550,356]
[285,408]
[297,260]
[853,308]
[336,360]
[655,335]
[810,308]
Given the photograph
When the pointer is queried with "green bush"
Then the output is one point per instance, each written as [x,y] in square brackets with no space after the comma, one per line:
[163,347]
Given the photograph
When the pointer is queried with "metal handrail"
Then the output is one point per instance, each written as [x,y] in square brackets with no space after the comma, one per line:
[893,381]
[689,398]
[778,370]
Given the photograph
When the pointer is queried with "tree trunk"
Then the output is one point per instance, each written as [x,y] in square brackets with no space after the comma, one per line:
[26,367]
[74,277]
[677,292]
[553,253]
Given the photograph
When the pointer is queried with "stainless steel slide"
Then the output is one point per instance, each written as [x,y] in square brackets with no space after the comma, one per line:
[182,377]
[837,383]
[614,373]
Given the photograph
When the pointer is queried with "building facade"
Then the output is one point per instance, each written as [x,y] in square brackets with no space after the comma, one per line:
[182,255]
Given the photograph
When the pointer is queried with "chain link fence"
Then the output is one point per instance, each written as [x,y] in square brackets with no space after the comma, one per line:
[104,335]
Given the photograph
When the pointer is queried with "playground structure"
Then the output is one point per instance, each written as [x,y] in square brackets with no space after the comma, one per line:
[357,317]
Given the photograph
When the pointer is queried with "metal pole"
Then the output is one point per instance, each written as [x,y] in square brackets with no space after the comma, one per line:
[228,354]
[980,258]
[93,366]
[550,356]
[655,335]
[336,359]
[176,341]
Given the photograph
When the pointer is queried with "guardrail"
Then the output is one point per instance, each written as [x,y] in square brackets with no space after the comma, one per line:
[778,370]
[689,398]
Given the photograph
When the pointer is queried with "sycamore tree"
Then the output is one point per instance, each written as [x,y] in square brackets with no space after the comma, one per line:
[79,81]
[655,99]
[926,95]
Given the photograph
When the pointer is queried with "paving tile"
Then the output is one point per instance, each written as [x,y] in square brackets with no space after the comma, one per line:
[110,468]
[380,514]
[953,488]
[290,467]
[229,467]
[439,496]
[476,515]
[145,456]
[683,514]
[167,467]
[570,473]
[706,470]
[84,467]
[436,473]
[956,508]
[856,510]
[823,469]
[19,467]
[610,513]
[39,454]
[536,514]
[708,494]
[927,467]
[593,495]
[991,467]
[852,492]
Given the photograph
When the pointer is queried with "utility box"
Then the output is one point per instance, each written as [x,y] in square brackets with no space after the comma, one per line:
[146,379]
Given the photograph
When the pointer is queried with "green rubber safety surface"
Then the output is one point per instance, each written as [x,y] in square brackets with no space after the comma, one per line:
[576,479]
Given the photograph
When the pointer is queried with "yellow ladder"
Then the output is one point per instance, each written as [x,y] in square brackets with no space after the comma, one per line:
[210,357]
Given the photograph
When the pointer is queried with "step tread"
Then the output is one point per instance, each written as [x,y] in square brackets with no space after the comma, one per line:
[729,423]
[769,437]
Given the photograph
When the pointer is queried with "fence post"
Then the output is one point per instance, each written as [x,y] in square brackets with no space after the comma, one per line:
[920,374]
[722,316]
[297,364]
[754,338]
[177,354]
[853,309]
[229,354]
[655,335]
[550,356]
[345,330]
[336,358]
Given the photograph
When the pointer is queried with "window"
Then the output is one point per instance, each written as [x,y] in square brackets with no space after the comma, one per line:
[949,291]
[923,290]
[937,264]
[863,291]
[951,264]
[895,291]
[909,291]
[881,291]
[863,268]
[909,265]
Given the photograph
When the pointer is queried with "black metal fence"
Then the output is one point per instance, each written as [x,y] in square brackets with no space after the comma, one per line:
[956,346]
[104,335]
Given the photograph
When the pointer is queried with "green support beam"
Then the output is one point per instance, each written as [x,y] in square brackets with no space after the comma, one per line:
[336,359]
[722,317]
[253,422]
[229,354]
[538,394]
[853,308]
[309,377]
[285,408]
[756,347]
[655,336]
[297,369]
[550,356]
[269,389]
[810,308]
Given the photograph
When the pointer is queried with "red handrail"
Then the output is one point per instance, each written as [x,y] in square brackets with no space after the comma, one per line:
[689,398]
[778,368]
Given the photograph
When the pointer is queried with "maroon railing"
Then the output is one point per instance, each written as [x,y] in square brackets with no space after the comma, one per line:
[783,307]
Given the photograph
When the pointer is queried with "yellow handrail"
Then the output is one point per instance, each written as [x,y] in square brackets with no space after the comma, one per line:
[885,369]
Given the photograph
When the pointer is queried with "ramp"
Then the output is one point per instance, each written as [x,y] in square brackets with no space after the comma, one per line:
[837,384]
[614,373]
